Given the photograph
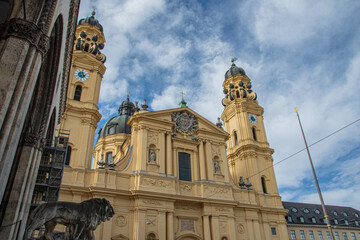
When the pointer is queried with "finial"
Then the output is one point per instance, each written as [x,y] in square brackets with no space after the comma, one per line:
[93,11]
[219,123]
[144,106]
[128,95]
[233,59]
[136,109]
[296,109]
[182,102]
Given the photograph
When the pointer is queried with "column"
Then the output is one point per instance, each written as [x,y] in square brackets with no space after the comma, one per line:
[139,224]
[209,162]
[162,225]
[206,225]
[267,230]
[225,167]
[215,227]
[162,153]
[257,230]
[144,151]
[169,225]
[232,228]
[202,161]
[250,228]
[175,163]
[169,162]
[195,164]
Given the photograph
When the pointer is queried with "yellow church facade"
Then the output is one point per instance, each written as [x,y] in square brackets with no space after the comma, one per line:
[170,174]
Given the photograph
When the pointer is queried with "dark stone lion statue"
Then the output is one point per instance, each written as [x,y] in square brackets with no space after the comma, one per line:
[80,218]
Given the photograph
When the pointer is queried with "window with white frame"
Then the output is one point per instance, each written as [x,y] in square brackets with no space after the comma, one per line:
[346,222]
[345,214]
[328,235]
[302,235]
[313,220]
[337,237]
[320,235]
[302,219]
[336,221]
[356,223]
[311,234]
[293,235]
[353,236]
[345,236]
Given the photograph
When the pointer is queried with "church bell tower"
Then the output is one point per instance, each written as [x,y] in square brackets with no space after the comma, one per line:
[249,155]
[82,113]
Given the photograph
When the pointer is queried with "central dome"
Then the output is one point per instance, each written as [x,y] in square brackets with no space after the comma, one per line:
[118,124]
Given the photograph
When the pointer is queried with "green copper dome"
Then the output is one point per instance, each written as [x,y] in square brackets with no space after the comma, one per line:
[118,124]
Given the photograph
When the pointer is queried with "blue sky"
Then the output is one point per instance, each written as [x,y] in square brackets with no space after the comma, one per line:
[303,54]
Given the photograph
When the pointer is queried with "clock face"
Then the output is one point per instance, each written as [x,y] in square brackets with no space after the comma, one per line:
[252,118]
[81,74]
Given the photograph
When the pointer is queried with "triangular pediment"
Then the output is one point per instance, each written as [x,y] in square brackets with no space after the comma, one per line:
[165,118]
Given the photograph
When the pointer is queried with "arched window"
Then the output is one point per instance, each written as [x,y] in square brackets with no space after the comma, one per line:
[254,134]
[235,138]
[263,183]
[77,94]
[151,236]
[238,94]
[184,166]
[68,155]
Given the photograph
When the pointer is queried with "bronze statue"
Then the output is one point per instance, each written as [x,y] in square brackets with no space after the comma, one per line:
[80,218]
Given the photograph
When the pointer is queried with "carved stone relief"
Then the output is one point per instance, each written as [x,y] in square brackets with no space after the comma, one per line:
[156,182]
[152,202]
[153,138]
[187,225]
[240,228]
[186,187]
[216,190]
[120,221]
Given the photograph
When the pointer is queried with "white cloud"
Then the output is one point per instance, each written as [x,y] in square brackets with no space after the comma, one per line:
[289,22]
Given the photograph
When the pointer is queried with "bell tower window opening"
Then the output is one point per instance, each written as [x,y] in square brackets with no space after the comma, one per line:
[254,134]
[77,94]
[184,166]
[86,49]
[235,138]
[68,155]
[263,183]
[237,94]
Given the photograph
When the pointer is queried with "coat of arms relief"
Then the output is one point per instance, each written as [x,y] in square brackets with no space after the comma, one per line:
[185,123]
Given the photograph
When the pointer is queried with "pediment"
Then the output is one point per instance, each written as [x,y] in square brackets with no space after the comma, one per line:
[165,118]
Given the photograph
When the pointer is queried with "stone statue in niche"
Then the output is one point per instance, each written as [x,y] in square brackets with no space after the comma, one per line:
[216,166]
[152,156]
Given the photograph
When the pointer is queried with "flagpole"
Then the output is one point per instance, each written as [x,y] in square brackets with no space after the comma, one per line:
[316,181]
